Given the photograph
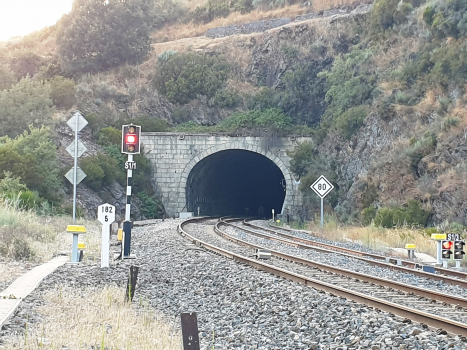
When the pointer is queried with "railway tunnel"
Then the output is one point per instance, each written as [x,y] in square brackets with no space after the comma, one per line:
[235,182]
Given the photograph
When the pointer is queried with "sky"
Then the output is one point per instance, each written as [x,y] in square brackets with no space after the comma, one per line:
[21,17]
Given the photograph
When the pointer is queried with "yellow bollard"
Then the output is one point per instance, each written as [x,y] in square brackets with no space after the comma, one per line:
[120,234]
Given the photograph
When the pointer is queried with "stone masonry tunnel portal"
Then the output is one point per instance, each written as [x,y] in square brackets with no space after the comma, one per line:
[223,174]
[235,182]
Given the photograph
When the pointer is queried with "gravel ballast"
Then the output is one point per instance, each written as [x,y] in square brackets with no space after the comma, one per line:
[238,306]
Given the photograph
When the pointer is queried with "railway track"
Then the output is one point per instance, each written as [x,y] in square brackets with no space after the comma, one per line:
[444,275]
[394,260]
[438,310]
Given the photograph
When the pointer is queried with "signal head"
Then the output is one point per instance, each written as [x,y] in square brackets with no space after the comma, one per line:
[131,139]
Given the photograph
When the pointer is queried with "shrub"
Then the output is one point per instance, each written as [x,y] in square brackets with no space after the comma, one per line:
[270,118]
[244,6]
[150,124]
[411,214]
[22,249]
[7,77]
[25,64]
[185,75]
[213,9]
[94,173]
[109,136]
[180,115]
[151,208]
[447,18]
[386,13]
[384,218]
[101,170]
[36,157]
[27,102]
[368,215]
[351,120]
[301,159]
[347,84]
[369,195]
[62,92]
[226,99]
[165,56]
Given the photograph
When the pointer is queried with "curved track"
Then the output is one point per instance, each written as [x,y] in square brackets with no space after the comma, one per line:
[441,274]
[410,302]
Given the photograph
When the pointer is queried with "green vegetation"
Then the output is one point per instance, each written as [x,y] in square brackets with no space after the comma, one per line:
[62,92]
[27,102]
[349,83]
[182,77]
[31,157]
[99,35]
[447,18]
[410,214]
[269,118]
[100,170]
[222,8]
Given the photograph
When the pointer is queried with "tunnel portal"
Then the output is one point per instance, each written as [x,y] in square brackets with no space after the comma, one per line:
[235,182]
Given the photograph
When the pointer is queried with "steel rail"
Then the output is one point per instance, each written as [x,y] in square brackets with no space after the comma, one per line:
[400,310]
[433,295]
[407,263]
[308,244]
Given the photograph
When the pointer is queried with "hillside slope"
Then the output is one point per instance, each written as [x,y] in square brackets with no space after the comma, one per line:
[381,89]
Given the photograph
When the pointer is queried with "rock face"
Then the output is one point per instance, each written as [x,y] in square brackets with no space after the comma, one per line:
[390,152]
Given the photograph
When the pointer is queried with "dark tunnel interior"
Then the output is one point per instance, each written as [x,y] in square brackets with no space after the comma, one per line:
[235,182]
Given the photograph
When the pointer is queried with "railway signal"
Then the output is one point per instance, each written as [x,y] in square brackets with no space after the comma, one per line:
[459,250]
[131,139]
[446,250]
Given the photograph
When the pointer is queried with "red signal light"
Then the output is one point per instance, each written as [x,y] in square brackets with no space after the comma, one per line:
[447,245]
[131,139]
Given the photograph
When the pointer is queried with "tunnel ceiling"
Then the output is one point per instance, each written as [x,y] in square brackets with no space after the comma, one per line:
[229,182]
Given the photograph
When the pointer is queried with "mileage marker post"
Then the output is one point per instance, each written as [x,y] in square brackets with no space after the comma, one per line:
[322,187]
[106,216]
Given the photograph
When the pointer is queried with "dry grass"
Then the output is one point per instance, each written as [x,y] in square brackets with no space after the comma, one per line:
[376,238]
[11,271]
[190,30]
[45,236]
[97,319]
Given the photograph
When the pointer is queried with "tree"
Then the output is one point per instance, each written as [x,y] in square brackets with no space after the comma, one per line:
[25,63]
[185,75]
[97,35]
[345,83]
[32,156]
[62,92]
[7,77]
[26,103]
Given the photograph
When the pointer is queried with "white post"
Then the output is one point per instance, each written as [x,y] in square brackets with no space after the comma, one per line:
[322,213]
[129,175]
[273,216]
[75,170]
[458,264]
[438,252]
[106,216]
[105,249]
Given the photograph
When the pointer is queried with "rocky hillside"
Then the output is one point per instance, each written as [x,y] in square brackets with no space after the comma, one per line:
[380,86]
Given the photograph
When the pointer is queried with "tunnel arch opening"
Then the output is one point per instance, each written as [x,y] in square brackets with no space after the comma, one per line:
[235,182]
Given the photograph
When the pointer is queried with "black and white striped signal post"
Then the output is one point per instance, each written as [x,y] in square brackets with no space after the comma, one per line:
[130,145]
